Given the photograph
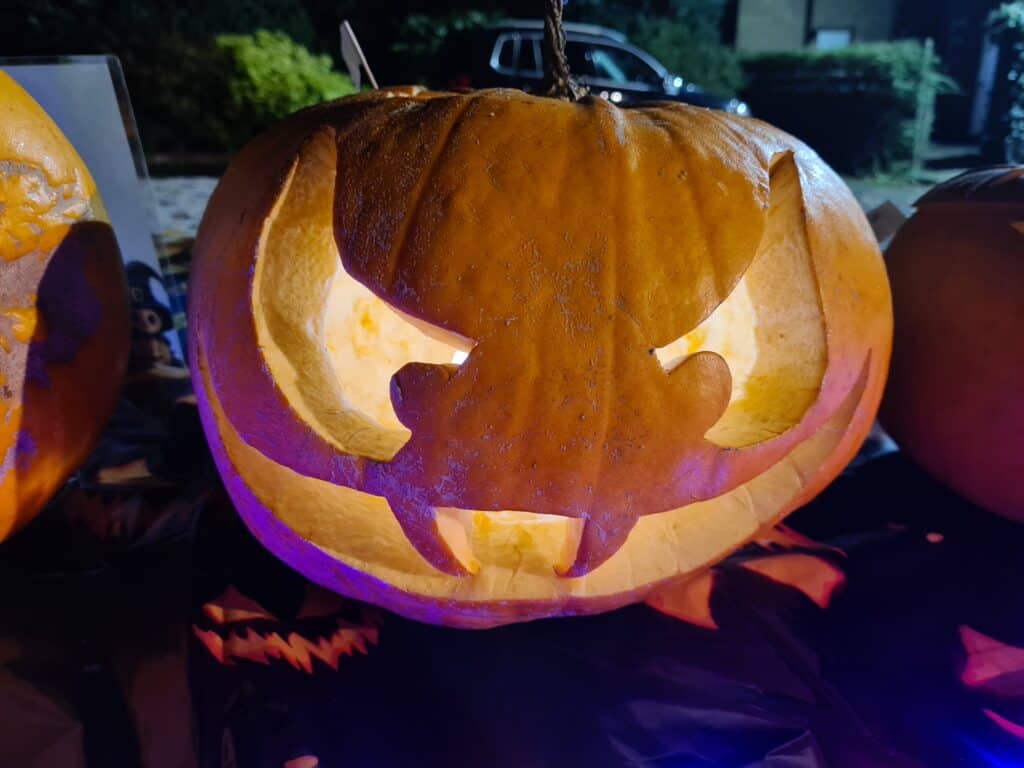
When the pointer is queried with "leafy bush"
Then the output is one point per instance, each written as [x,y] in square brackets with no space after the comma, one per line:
[1005,131]
[266,76]
[699,60]
[215,97]
[178,79]
[865,108]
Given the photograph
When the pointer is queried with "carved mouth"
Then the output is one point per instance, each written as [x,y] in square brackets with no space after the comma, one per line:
[358,531]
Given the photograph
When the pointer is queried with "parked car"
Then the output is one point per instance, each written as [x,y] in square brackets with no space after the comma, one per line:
[508,55]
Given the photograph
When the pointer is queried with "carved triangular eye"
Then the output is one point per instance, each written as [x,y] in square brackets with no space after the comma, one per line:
[770,330]
[345,394]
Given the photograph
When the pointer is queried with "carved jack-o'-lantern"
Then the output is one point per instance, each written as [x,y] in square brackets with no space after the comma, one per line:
[63,309]
[955,400]
[487,357]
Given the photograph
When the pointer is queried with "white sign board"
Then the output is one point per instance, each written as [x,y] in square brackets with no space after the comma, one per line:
[87,98]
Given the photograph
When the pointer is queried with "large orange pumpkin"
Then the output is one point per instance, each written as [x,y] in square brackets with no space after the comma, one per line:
[955,399]
[487,357]
[63,309]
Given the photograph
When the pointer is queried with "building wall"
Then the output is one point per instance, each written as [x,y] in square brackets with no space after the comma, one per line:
[869,19]
[780,25]
[771,25]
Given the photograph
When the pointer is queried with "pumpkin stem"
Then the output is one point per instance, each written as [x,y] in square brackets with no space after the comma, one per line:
[558,81]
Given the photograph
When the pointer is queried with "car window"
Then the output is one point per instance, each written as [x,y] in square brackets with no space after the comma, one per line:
[507,53]
[578,55]
[621,66]
[529,56]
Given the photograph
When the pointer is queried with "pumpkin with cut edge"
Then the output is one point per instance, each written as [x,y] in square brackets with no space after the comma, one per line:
[488,357]
[63,309]
[955,399]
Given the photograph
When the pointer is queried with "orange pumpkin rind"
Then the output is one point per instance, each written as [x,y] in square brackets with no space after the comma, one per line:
[954,399]
[63,310]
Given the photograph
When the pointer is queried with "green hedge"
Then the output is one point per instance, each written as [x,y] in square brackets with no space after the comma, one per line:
[866,108]
[701,60]
[267,76]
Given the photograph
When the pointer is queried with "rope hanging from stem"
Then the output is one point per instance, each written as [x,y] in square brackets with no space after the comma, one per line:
[558,81]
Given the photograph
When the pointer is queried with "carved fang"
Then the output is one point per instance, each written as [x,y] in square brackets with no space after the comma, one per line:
[419,522]
[600,540]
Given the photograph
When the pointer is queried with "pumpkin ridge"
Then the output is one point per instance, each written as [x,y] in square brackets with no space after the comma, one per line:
[426,176]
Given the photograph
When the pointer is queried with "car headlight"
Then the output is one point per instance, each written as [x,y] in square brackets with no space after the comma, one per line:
[737,107]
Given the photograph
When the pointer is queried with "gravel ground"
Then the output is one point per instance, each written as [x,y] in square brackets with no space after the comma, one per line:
[180,200]
[871,193]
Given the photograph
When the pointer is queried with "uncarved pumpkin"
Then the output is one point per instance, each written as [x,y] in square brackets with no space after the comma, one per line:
[63,309]
[955,399]
[487,357]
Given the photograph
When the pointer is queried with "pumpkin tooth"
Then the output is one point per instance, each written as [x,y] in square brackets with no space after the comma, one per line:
[420,525]
[601,538]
